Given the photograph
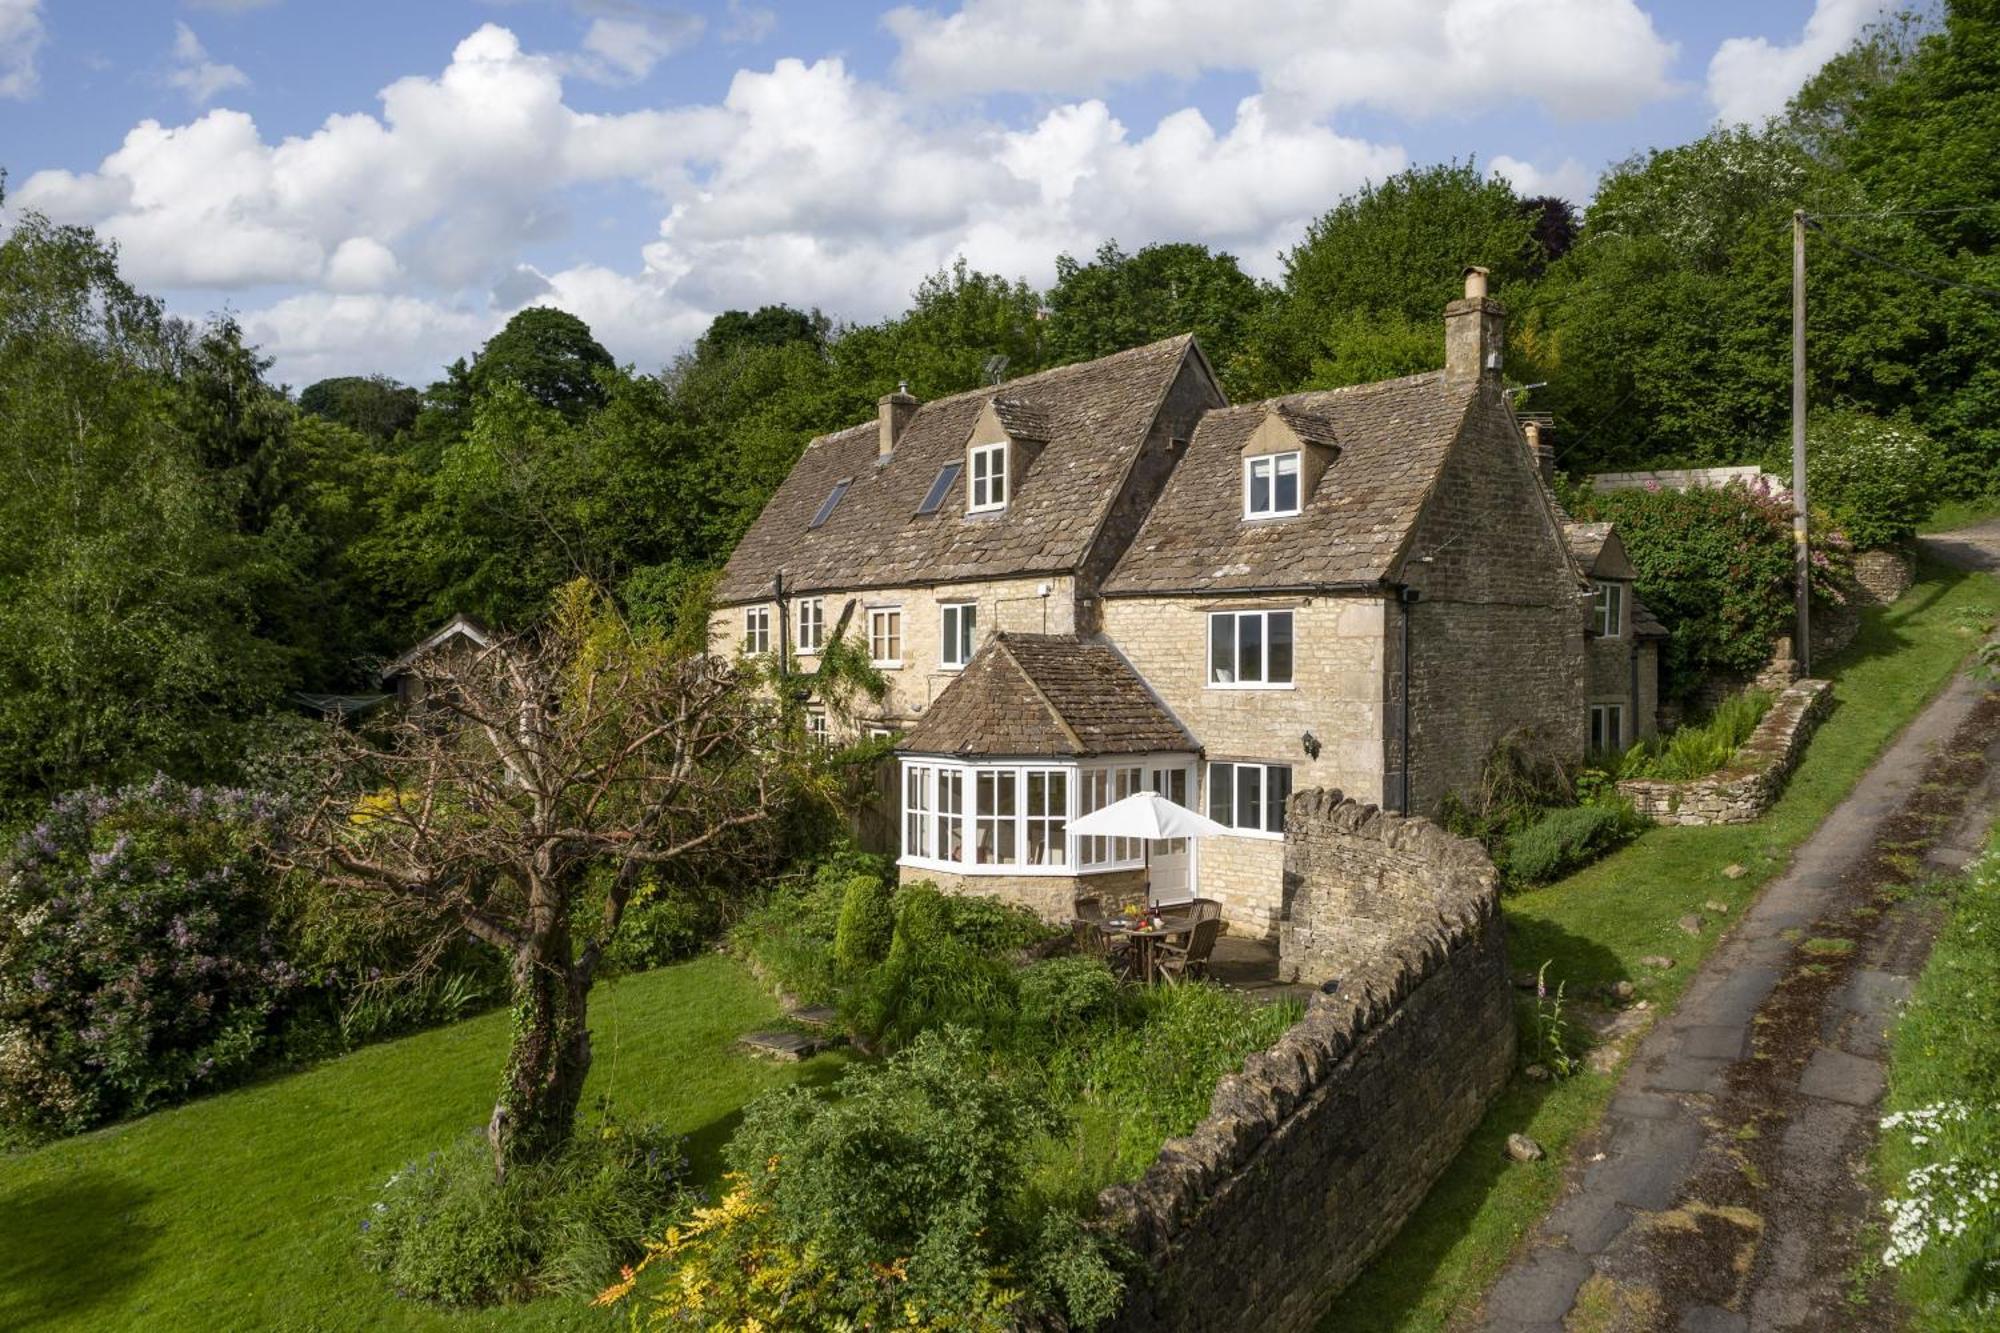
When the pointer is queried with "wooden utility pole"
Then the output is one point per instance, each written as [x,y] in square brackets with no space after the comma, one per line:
[1801,538]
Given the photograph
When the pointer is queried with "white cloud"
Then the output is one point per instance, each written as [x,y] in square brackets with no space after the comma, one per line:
[1569,179]
[400,239]
[21,36]
[626,38]
[1578,58]
[195,74]
[1751,78]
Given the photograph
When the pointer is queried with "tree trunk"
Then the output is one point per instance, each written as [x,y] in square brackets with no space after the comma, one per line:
[543,1085]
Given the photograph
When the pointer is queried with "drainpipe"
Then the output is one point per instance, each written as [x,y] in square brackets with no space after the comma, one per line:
[1633,711]
[784,627]
[1406,598]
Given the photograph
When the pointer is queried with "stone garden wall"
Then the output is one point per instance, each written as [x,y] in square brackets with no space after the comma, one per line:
[1747,787]
[1882,576]
[1315,1154]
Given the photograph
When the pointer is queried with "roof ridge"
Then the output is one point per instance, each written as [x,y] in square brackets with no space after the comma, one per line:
[995,390]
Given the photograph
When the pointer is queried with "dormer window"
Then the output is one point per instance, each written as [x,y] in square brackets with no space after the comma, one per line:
[1271,485]
[988,488]
[1607,610]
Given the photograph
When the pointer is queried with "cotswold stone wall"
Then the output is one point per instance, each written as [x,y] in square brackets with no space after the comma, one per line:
[1882,576]
[1313,1156]
[1755,775]
[1050,897]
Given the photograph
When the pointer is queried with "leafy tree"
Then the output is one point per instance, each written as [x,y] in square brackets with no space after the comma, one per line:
[769,326]
[375,405]
[128,634]
[548,354]
[1391,252]
[1120,300]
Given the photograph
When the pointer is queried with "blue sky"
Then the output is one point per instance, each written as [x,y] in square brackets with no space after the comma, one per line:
[375,186]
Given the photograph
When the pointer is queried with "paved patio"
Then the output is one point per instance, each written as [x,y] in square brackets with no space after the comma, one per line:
[1251,966]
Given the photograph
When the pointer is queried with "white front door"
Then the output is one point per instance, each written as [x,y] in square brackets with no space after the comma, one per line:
[1170,861]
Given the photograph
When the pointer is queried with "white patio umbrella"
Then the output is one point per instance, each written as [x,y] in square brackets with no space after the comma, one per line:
[1147,815]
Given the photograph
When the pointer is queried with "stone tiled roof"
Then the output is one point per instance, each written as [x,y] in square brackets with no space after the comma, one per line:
[1093,418]
[1391,440]
[1046,694]
[1586,541]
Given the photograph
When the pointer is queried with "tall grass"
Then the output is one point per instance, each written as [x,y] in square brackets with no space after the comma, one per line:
[1696,751]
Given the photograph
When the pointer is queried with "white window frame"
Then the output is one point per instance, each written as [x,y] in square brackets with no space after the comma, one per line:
[986,478]
[1607,609]
[885,627]
[1236,680]
[943,824]
[1608,718]
[817,726]
[1269,812]
[756,629]
[812,624]
[1273,467]
[919,822]
[962,639]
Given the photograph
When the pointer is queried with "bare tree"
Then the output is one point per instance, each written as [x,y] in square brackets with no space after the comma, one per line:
[528,764]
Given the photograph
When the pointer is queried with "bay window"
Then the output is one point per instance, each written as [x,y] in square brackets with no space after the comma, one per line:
[1003,818]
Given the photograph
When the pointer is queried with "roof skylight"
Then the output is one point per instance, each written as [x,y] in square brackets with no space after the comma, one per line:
[826,509]
[945,477]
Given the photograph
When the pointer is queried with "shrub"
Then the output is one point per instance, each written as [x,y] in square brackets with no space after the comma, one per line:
[1564,840]
[1696,751]
[895,1203]
[1877,479]
[935,975]
[790,936]
[1524,775]
[662,926]
[445,1230]
[1063,997]
[867,925]
[1715,564]
[139,961]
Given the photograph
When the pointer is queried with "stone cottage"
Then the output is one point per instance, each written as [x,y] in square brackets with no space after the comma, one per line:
[1105,579]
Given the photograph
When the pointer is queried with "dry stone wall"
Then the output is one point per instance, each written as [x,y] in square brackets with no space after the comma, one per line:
[1313,1156]
[1882,576]
[1755,775]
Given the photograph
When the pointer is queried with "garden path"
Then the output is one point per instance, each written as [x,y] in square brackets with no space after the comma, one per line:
[1726,1187]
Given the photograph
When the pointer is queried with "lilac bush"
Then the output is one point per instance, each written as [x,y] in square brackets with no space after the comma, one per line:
[140,960]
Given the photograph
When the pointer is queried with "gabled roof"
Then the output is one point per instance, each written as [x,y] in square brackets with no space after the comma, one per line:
[1392,438]
[1026,695]
[1090,420]
[459,626]
[1598,549]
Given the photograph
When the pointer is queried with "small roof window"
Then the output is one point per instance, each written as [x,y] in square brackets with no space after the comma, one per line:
[826,509]
[947,475]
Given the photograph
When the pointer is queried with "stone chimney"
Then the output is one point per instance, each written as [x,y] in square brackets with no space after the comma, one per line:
[894,411]
[1539,429]
[1475,328]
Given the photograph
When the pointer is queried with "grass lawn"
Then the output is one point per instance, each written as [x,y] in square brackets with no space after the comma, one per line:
[240,1211]
[1961,514]
[1595,926]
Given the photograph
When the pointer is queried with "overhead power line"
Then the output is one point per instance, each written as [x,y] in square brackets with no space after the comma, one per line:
[1914,212]
[1934,279]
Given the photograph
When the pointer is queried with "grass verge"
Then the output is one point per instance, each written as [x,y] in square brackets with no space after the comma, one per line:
[1939,1157]
[241,1210]
[1594,928]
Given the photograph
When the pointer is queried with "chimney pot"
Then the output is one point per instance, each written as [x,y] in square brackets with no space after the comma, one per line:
[894,411]
[1475,282]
